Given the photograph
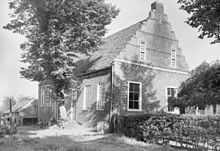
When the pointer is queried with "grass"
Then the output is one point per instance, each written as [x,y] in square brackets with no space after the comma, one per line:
[36,144]
[111,143]
[29,139]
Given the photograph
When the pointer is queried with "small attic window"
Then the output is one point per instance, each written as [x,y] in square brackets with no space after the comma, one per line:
[173,58]
[142,50]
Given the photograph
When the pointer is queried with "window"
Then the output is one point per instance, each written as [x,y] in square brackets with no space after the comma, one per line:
[85,95]
[42,95]
[100,97]
[134,96]
[142,50]
[46,95]
[173,58]
[171,92]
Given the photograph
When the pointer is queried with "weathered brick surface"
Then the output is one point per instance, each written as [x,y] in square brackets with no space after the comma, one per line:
[160,39]
[160,83]
[163,80]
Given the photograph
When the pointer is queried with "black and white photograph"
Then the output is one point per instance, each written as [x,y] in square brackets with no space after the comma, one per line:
[110,75]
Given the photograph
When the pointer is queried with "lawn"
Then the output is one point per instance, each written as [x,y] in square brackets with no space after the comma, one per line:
[72,138]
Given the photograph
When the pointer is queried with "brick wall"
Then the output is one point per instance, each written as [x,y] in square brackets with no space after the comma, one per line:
[160,39]
[160,82]
[163,80]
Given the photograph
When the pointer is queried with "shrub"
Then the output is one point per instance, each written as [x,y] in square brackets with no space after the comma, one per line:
[164,128]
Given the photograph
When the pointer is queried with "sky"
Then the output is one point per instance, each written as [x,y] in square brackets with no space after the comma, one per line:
[131,11]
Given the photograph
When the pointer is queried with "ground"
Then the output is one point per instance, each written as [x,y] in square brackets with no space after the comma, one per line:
[73,137]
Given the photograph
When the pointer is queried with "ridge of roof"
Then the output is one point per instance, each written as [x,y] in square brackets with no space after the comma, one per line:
[126,28]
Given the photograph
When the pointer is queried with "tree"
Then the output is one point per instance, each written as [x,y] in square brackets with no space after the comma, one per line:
[204,15]
[58,33]
[202,88]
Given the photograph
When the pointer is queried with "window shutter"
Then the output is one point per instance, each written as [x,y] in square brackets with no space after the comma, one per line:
[100,97]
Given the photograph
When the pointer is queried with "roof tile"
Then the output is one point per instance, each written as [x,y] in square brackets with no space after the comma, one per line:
[112,46]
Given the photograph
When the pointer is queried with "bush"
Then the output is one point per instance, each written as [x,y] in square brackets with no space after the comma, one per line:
[164,128]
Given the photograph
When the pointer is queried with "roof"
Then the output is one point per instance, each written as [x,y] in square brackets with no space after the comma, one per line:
[156,25]
[112,46]
[21,105]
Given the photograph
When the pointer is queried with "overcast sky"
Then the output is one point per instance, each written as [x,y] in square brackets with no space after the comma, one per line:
[131,11]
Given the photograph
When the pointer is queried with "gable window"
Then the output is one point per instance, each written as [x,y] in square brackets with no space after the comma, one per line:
[100,97]
[173,58]
[171,92]
[142,50]
[134,96]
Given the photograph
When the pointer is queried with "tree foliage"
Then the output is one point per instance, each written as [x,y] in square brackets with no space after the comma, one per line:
[202,87]
[204,15]
[58,33]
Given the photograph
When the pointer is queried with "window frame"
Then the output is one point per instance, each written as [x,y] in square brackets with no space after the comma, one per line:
[140,96]
[166,92]
[142,51]
[173,55]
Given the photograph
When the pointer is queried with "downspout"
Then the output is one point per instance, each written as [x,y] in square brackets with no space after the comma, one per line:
[112,86]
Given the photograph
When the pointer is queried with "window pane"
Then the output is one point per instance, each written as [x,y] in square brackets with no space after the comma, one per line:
[136,87]
[172,92]
[142,50]
[173,57]
[136,105]
[131,87]
[168,91]
[142,55]
[131,105]
[131,96]
[136,96]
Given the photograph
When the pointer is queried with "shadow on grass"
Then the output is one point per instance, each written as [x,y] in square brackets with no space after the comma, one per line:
[71,143]
[61,143]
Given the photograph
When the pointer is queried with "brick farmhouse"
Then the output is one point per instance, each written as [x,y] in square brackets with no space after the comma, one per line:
[133,72]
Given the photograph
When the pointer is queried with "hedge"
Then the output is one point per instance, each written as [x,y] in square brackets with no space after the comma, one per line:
[176,130]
